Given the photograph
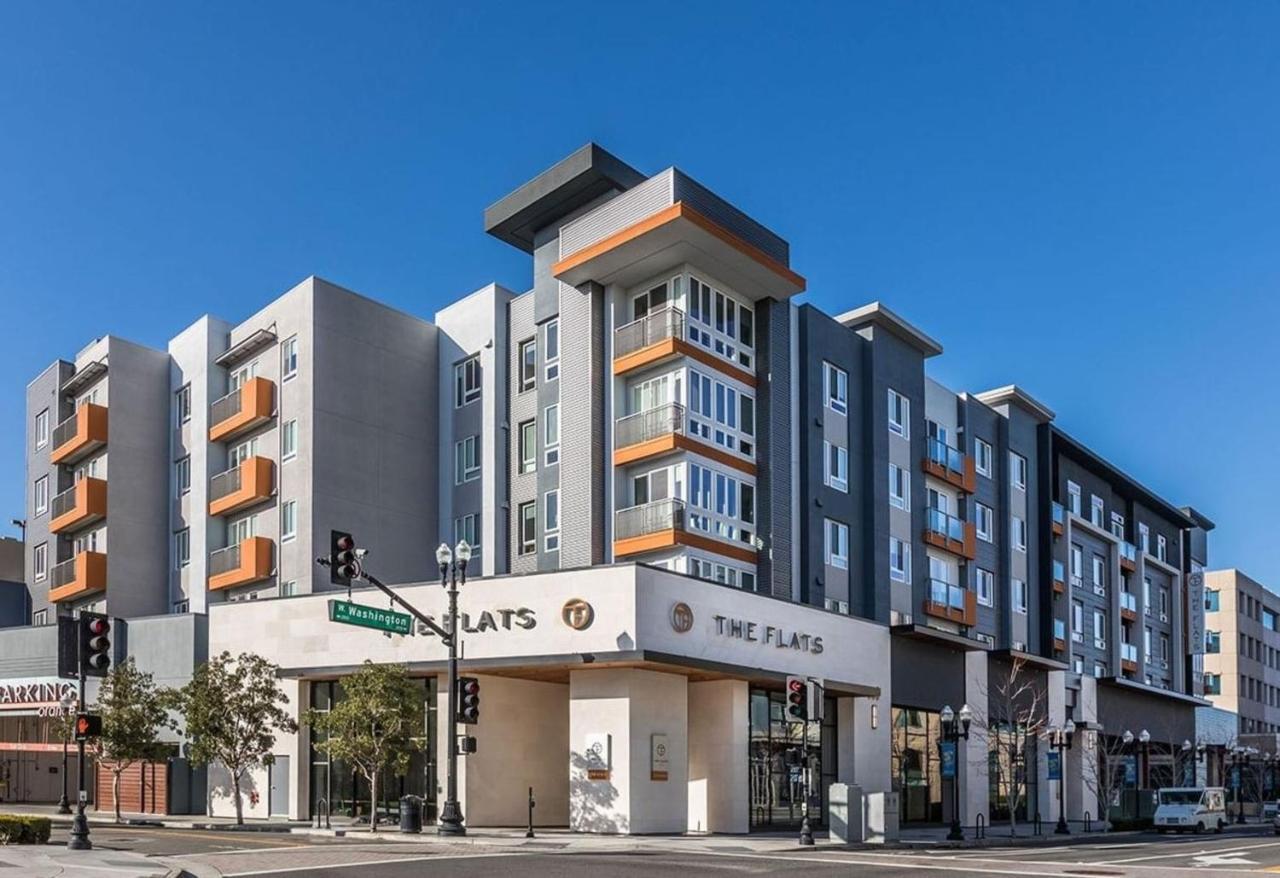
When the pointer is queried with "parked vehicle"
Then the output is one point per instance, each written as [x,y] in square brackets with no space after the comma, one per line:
[1191,809]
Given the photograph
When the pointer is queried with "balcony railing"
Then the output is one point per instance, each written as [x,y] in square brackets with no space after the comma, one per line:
[1128,552]
[224,560]
[247,406]
[227,407]
[1129,652]
[79,435]
[946,594]
[63,574]
[1059,629]
[1129,601]
[250,560]
[82,504]
[945,456]
[225,484]
[1059,513]
[648,518]
[652,328]
[941,523]
[63,503]
[653,423]
[83,573]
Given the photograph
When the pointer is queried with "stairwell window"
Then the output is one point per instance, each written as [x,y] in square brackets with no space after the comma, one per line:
[551,349]
[288,520]
[836,388]
[551,434]
[1096,511]
[467,527]
[899,414]
[289,358]
[1073,498]
[528,374]
[527,522]
[1162,548]
[466,460]
[528,442]
[836,546]
[466,381]
[836,469]
[551,520]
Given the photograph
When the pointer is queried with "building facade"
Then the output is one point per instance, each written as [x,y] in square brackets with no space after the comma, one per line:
[1242,645]
[654,420]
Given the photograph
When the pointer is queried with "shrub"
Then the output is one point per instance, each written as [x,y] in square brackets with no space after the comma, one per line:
[22,829]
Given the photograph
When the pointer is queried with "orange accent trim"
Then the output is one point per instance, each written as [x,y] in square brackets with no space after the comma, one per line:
[1126,564]
[968,548]
[91,505]
[1059,587]
[967,616]
[1057,529]
[1128,615]
[1059,645]
[255,565]
[669,215]
[256,483]
[966,481]
[91,433]
[91,575]
[704,356]
[1127,665]
[970,484]
[673,442]
[666,539]
[257,404]
[673,347]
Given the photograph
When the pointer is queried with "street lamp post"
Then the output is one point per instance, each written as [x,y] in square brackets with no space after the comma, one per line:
[1060,740]
[68,703]
[953,732]
[1144,738]
[1239,761]
[1196,755]
[451,571]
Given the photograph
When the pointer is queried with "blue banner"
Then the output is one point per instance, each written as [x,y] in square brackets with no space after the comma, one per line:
[1054,762]
[1131,770]
[947,751]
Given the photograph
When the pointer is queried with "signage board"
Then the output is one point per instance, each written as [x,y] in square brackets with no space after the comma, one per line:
[1054,765]
[947,752]
[597,756]
[369,617]
[1131,770]
[659,763]
[1195,612]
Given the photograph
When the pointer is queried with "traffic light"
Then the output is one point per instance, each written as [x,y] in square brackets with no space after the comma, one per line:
[798,699]
[95,645]
[343,563]
[468,700]
[88,725]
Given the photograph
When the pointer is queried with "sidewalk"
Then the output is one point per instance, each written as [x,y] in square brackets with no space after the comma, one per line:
[172,821]
[55,861]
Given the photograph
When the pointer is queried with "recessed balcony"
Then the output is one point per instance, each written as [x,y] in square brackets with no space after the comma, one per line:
[248,406]
[79,506]
[659,431]
[1059,635]
[81,575]
[251,560]
[1059,578]
[951,602]
[1128,557]
[240,487]
[949,533]
[80,435]
[1128,606]
[1129,657]
[950,465]
[653,527]
[660,336]
[1058,514]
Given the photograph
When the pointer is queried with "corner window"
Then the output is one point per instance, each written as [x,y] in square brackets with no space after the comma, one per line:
[466,381]
[527,438]
[42,429]
[551,349]
[982,457]
[40,495]
[288,520]
[182,405]
[551,434]
[836,544]
[835,383]
[835,471]
[528,375]
[466,460]
[899,487]
[899,414]
[40,561]
[551,520]
[289,358]
[527,519]
[182,548]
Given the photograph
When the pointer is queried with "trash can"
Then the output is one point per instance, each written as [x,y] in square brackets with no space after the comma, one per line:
[410,814]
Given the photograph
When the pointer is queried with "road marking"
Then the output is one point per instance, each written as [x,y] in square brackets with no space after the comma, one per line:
[354,865]
[1223,860]
[1201,852]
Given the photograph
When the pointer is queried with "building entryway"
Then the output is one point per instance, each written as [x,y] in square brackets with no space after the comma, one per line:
[778,771]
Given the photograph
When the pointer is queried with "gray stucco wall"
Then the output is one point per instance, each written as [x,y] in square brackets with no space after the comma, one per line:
[42,394]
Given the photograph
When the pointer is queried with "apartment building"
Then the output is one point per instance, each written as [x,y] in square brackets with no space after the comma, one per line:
[1242,650]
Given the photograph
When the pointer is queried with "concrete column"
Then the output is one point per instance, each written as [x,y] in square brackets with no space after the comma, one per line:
[719,730]
[864,743]
[1055,715]
[972,755]
[1080,795]
[626,707]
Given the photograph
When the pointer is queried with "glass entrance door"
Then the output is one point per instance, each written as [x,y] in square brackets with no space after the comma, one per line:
[777,769]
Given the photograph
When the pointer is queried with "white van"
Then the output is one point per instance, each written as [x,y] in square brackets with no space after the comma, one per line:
[1193,809]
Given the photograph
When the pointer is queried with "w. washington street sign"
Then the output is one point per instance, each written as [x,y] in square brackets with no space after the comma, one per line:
[370,617]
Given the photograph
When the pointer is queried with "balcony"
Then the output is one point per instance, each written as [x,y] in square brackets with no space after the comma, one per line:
[660,336]
[249,561]
[1128,606]
[1059,518]
[1128,557]
[951,534]
[241,487]
[1059,636]
[1059,578]
[246,407]
[1129,657]
[951,602]
[79,506]
[660,525]
[950,465]
[80,435]
[83,574]
[660,431]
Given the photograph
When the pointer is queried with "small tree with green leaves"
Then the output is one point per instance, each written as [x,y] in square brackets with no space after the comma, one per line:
[232,709]
[376,725]
[133,713]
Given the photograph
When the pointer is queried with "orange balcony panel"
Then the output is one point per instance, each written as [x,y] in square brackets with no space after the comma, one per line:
[88,434]
[84,574]
[666,539]
[1059,645]
[1128,666]
[672,442]
[85,504]
[967,616]
[233,415]
[1127,564]
[1128,615]
[966,548]
[252,561]
[1057,529]
[251,482]
[1059,587]
[669,348]
[966,480]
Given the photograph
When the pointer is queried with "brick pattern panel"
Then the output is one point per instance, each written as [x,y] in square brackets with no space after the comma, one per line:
[582,419]
[773,506]
[523,407]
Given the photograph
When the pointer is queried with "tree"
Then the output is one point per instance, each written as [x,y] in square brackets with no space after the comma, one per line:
[376,725]
[1104,772]
[1016,714]
[133,712]
[233,709]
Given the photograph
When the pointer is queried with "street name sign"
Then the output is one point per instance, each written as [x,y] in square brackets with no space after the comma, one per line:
[369,617]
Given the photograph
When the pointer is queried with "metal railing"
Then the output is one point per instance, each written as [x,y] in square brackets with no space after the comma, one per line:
[1059,513]
[1129,652]
[224,560]
[226,407]
[949,526]
[1129,601]
[649,518]
[1059,572]
[63,503]
[654,327]
[1129,551]
[946,593]
[63,573]
[945,456]
[65,431]
[225,483]
[658,421]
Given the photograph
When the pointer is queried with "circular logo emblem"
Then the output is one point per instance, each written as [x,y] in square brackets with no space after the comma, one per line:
[681,617]
[577,614]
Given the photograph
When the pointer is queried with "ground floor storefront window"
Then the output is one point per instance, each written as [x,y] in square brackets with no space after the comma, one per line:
[777,768]
[917,772]
[346,791]
[1011,760]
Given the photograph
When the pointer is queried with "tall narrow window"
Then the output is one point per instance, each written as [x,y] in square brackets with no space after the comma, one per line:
[837,388]
[985,586]
[1018,533]
[40,495]
[466,460]
[527,519]
[837,544]
[836,469]
[182,548]
[289,440]
[182,475]
[1073,497]
[1144,538]
[1018,470]
[40,561]
[1162,548]
[528,441]
[551,434]
[1018,587]
[289,358]
[182,404]
[528,376]
[288,520]
[42,429]
[984,521]
[466,381]
[899,560]
[899,487]
[982,457]
[551,520]
[467,527]
[899,414]
[551,349]
[1096,511]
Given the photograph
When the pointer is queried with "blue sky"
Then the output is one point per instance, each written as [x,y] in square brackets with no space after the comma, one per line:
[1078,197]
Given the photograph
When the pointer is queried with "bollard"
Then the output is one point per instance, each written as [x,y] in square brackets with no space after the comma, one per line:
[323,805]
[1088,822]
[1036,824]
[980,826]
[529,832]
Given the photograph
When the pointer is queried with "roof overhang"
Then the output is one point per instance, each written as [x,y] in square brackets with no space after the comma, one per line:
[1012,394]
[673,236]
[1143,689]
[934,635]
[1037,661]
[1065,444]
[83,377]
[880,314]
[246,347]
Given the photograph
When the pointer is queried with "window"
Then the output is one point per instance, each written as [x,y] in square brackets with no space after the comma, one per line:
[836,469]
[466,381]
[1162,548]
[1077,564]
[528,441]
[288,520]
[1164,647]
[551,348]
[289,440]
[551,433]
[1077,621]
[182,548]
[899,414]
[466,460]
[40,495]
[982,457]
[40,617]
[242,452]
[1077,665]
[551,520]
[836,388]
[1018,590]
[899,487]
[1099,629]
[1099,570]
[837,544]
[1212,684]
[899,560]
[1117,525]
[1073,497]
[1095,510]
[1018,533]
[182,404]
[1018,470]
[40,561]
[1099,669]
[985,585]
[1213,642]
[1146,595]
[528,374]
[467,527]
[288,589]
[42,429]
[1144,538]
[985,521]
[528,527]
[1146,643]
[182,475]
[718,411]
[289,358]
[1164,603]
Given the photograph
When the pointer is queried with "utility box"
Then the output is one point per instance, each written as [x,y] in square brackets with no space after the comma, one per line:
[844,813]
[880,818]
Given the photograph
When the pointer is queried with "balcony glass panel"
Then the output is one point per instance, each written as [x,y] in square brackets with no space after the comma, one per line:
[945,456]
[1129,652]
[1059,513]
[940,522]
[1059,572]
[1129,552]
[657,326]
[1128,601]
[654,423]
[649,518]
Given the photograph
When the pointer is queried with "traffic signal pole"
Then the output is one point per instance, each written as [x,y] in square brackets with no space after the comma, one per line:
[79,840]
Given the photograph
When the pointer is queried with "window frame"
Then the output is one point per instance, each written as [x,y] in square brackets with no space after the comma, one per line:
[831,554]
[1018,533]
[288,521]
[465,471]
[40,561]
[901,573]
[527,451]
[900,427]
[1017,471]
[987,535]
[550,448]
[1019,595]
[527,546]
[839,402]
[838,455]
[550,363]
[181,548]
[40,488]
[979,445]
[289,358]
[551,535]
[982,575]
[526,382]
[42,427]
[182,404]
[463,395]
[900,501]
[182,475]
[288,430]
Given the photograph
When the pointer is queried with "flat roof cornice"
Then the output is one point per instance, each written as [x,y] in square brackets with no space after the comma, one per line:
[879,314]
[1014,395]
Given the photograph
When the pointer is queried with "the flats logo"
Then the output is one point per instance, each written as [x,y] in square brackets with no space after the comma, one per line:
[577,614]
[681,617]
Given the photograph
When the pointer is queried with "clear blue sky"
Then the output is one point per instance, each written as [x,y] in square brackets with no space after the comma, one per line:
[1083,198]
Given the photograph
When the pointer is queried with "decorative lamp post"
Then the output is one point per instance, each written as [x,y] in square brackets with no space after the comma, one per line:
[453,573]
[1239,757]
[1060,741]
[68,703]
[953,732]
[1144,738]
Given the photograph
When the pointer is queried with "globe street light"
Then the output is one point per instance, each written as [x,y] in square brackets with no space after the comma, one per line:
[953,732]
[450,571]
[1060,741]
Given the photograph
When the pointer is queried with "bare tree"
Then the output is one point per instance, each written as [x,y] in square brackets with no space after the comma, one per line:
[1104,773]
[1016,715]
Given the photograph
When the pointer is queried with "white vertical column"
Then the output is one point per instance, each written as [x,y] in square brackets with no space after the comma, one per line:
[1055,715]
[972,756]
[719,730]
